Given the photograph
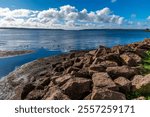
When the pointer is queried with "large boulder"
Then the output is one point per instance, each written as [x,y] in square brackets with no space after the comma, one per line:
[54,93]
[141,84]
[106,94]
[131,59]
[123,71]
[124,84]
[77,88]
[102,80]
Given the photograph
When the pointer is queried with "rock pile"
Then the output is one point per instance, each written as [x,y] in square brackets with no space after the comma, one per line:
[101,74]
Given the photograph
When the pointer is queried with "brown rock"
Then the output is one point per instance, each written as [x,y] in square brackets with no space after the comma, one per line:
[141,84]
[102,80]
[140,98]
[114,57]
[106,94]
[79,64]
[124,84]
[97,68]
[88,97]
[123,71]
[61,80]
[26,89]
[131,59]
[54,93]
[67,64]
[70,69]
[109,64]
[77,88]
[35,95]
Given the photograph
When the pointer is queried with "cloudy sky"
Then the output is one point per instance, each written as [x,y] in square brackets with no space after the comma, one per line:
[75,14]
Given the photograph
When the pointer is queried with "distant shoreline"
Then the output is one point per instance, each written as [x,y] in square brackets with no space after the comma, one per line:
[4,54]
[65,29]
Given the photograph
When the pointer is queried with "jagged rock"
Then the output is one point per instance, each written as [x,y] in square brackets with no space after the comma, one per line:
[124,84]
[97,68]
[54,93]
[61,80]
[67,64]
[35,95]
[114,57]
[70,69]
[123,71]
[77,88]
[92,52]
[106,94]
[98,60]
[102,80]
[79,64]
[131,59]
[108,64]
[141,84]
[45,82]
[102,51]
[81,73]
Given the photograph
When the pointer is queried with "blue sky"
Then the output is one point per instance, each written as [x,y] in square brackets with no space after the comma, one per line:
[130,12]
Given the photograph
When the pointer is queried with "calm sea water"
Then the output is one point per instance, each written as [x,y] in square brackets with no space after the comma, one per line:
[53,42]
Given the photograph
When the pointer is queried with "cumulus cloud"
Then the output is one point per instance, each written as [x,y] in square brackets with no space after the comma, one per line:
[64,17]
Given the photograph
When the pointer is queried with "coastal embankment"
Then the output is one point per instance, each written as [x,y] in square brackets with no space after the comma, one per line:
[102,74]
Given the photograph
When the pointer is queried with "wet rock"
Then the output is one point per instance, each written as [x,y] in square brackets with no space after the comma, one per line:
[77,88]
[106,94]
[124,84]
[123,71]
[102,80]
[131,59]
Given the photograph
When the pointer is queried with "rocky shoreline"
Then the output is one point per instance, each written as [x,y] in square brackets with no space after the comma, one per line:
[102,74]
[14,53]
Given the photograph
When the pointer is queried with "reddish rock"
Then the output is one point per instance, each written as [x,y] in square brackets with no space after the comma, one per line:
[141,84]
[97,68]
[124,84]
[76,88]
[109,64]
[106,94]
[123,71]
[54,93]
[131,59]
[102,80]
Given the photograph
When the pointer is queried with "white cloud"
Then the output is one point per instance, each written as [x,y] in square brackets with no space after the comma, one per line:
[65,17]
[148,18]
[113,1]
